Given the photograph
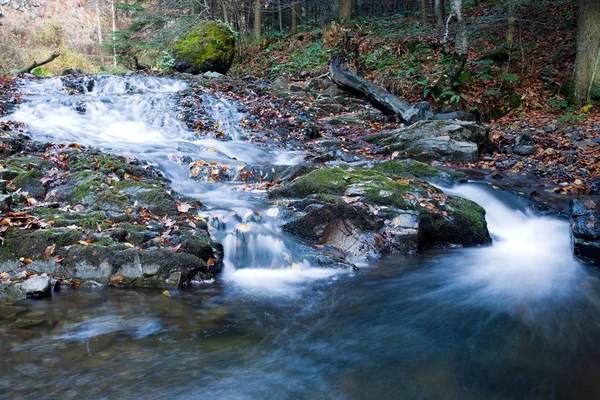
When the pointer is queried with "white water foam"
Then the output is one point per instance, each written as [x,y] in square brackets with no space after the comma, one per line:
[531,256]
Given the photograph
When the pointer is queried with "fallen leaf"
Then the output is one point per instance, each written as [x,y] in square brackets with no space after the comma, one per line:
[117,280]
[49,250]
[166,293]
[26,261]
[58,259]
[183,207]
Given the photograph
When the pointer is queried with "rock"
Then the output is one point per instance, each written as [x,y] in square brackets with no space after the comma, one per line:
[444,140]
[30,182]
[209,46]
[318,84]
[212,74]
[364,213]
[73,71]
[418,112]
[5,202]
[524,150]
[585,228]
[281,83]
[36,286]
[457,115]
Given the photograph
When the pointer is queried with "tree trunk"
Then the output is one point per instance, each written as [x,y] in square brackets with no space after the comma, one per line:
[438,10]
[378,96]
[224,7]
[588,48]
[280,16]
[114,30]
[98,23]
[510,34]
[461,50]
[294,28]
[424,12]
[345,10]
[257,18]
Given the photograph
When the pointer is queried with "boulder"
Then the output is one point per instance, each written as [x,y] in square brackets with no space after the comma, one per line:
[585,229]
[209,46]
[365,213]
[444,140]
[36,286]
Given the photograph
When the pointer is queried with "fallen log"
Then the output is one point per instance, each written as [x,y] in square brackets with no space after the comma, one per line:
[378,96]
[36,64]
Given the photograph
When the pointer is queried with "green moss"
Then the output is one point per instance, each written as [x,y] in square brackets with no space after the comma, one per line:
[105,241]
[209,46]
[465,224]
[111,198]
[27,178]
[86,185]
[321,181]
[121,185]
[30,182]
[24,162]
[158,201]
[407,168]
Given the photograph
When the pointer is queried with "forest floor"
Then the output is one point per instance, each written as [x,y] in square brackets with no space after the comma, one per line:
[521,91]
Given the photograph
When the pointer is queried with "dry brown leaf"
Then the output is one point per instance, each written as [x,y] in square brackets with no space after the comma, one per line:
[49,250]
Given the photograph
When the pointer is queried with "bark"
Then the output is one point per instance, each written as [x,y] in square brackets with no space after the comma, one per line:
[510,34]
[379,97]
[280,16]
[114,30]
[588,48]
[346,9]
[438,10]
[98,23]
[294,28]
[36,64]
[424,12]
[257,18]
[461,50]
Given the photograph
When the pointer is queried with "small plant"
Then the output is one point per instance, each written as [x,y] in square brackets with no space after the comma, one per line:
[166,62]
[453,97]
[41,72]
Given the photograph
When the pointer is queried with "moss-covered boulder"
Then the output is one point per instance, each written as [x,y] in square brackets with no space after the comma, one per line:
[209,46]
[367,212]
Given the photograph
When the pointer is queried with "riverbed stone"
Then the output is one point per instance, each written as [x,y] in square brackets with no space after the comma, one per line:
[585,229]
[36,286]
[450,140]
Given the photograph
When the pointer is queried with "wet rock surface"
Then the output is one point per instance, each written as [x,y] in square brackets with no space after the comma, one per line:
[365,213]
[443,140]
[79,214]
[585,228]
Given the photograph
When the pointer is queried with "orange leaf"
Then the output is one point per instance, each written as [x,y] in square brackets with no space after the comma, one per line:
[26,261]
[49,250]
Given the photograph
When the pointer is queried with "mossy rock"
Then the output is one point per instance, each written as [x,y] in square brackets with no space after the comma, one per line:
[210,46]
[30,182]
[465,224]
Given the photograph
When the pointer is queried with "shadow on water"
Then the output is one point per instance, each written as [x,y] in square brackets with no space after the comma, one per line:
[515,320]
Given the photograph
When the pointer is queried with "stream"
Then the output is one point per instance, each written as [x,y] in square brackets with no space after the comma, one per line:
[516,320]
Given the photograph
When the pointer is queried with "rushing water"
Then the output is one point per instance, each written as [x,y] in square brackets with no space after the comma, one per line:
[519,319]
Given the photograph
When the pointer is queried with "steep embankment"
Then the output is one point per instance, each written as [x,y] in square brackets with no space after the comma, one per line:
[32,29]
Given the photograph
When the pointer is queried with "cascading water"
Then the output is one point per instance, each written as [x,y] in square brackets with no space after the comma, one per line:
[517,319]
[135,116]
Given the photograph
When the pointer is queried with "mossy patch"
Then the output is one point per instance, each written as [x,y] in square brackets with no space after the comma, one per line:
[465,224]
[209,46]
[30,182]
